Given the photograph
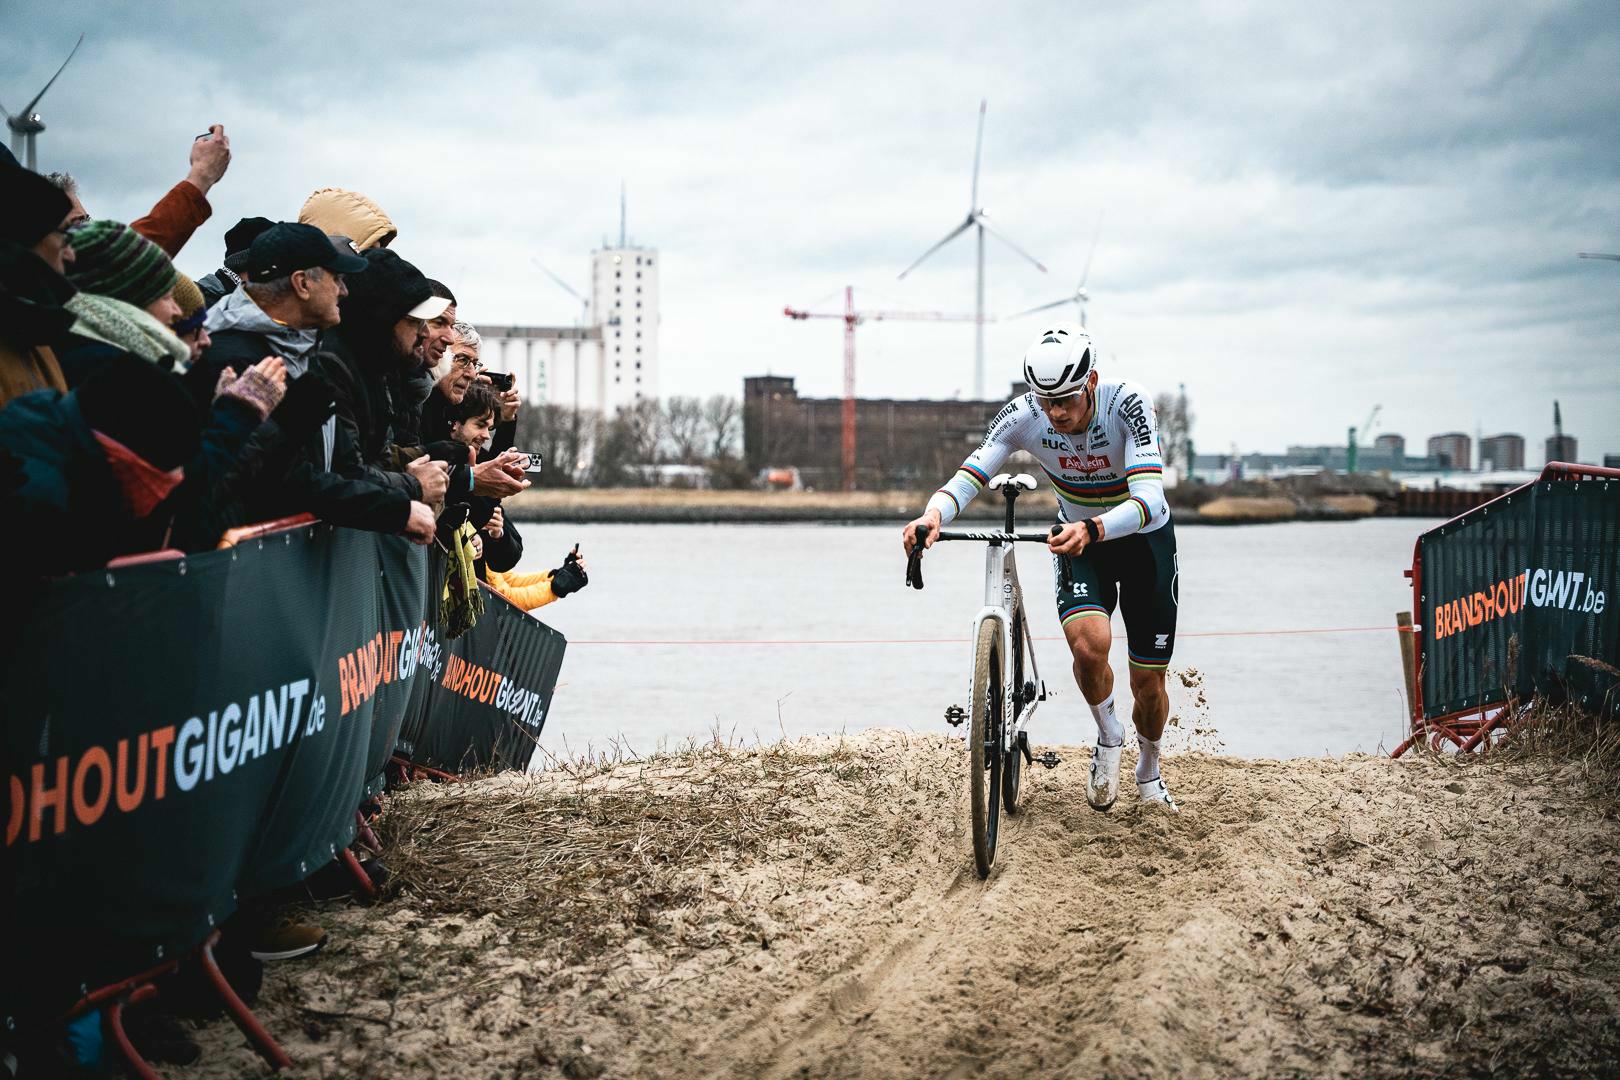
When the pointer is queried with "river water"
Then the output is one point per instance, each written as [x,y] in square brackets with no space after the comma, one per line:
[753,632]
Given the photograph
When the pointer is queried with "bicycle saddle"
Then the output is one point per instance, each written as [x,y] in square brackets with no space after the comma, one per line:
[1021,480]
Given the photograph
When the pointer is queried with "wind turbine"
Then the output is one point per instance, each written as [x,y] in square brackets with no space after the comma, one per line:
[1080,297]
[976,219]
[26,125]
[585,305]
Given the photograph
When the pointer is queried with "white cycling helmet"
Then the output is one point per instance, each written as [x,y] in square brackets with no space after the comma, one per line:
[1059,361]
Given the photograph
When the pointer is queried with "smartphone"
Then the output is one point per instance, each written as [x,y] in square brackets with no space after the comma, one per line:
[532,463]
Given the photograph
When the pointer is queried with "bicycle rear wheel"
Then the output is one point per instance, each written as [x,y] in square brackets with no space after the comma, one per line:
[984,746]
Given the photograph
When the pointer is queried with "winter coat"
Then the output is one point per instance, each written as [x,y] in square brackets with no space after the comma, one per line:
[242,335]
[218,285]
[31,318]
[337,212]
[177,215]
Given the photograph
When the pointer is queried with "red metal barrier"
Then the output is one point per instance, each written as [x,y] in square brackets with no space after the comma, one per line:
[259,531]
[1471,728]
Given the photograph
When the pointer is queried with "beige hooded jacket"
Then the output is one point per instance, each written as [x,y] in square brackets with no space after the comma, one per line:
[339,212]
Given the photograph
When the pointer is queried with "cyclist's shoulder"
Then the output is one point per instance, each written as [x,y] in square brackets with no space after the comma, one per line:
[1124,399]
[1014,416]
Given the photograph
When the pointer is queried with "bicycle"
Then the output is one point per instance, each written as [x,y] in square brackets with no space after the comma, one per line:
[997,748]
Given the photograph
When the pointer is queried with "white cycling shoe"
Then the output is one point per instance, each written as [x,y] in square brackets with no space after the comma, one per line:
[1155,791]
[1102,785]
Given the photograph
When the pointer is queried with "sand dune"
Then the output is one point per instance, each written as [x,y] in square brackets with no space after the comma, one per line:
[810,910]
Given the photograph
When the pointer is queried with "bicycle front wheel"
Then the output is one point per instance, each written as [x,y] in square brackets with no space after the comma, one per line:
[984,746]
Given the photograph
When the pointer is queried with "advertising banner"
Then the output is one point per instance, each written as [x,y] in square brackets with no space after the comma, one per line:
[182,734]
[1514,588]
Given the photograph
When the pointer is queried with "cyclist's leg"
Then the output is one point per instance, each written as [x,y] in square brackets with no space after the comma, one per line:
[1085,607]
[1148,601]
[1085,604]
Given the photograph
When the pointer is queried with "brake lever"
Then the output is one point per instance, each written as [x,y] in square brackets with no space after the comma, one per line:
[914,576]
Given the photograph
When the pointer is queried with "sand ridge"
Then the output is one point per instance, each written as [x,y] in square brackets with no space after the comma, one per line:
[810,910]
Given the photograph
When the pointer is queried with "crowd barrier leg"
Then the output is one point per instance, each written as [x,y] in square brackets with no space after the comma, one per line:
[114,1021]
[365,835]
[266,1046]
[367,887]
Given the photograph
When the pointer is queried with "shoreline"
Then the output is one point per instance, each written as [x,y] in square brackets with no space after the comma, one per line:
[671,506]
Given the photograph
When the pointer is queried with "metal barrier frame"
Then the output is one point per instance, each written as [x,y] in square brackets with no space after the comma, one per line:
[1470,729]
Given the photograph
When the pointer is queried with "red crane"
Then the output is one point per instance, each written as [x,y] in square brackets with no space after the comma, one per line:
[852,319]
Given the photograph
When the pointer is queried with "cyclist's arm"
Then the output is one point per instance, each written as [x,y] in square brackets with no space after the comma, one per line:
[1144,469]
[970,479]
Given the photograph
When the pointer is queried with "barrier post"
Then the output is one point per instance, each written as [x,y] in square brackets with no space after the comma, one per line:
[1403,624]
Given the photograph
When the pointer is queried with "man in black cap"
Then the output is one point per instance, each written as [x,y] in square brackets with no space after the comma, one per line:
[34,249]
[292,281]
[237,239]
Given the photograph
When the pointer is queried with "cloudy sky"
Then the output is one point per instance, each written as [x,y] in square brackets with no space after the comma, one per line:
[1305,210]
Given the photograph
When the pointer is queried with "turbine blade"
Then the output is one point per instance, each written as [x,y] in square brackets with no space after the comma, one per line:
[985,225]
[952,235]
[1043,307]
[29,108]
[558,280]
[978,146]
[1597,255]
[8,113]
[1086,273]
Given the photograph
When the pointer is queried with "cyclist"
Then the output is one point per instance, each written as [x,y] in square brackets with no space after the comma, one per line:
[1098,444]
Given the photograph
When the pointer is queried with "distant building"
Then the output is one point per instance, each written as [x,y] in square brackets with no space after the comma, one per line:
[1611,461]
[1454,448]
[1391,446]
[1561,448]
[624,304]
[1501,452]
[560,365]
[897,443]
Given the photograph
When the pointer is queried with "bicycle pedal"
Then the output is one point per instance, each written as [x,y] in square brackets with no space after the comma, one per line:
[954,715]
[1049,759]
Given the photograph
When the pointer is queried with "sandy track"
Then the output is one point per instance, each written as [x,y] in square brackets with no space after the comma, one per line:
[1348,918]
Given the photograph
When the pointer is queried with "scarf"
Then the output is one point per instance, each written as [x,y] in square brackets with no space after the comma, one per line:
[144,485]
[462,602]
[125,326]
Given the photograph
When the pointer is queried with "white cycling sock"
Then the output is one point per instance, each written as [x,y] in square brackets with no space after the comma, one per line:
[1147,759]
[1109,730]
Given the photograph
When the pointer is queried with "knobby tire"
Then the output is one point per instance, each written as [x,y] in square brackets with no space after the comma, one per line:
[984,746]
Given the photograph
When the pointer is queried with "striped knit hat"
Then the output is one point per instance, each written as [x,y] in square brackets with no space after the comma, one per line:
[112,259]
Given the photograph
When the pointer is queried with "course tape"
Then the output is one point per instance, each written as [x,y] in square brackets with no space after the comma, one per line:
[959,640]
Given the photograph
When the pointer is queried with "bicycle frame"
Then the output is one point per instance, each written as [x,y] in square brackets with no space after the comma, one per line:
[1003,600]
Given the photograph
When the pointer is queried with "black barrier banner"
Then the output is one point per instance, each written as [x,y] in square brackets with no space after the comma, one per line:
[1513,589]
[182,734]
[489,695]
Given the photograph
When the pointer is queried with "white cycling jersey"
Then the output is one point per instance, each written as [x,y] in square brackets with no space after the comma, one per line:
[1112,471]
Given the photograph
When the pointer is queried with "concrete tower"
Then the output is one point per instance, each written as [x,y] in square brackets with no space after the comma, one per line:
[624,303]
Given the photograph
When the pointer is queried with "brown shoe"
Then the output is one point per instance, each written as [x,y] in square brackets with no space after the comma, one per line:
[285,938]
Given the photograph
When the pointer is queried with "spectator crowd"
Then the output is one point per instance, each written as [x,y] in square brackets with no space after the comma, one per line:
[310,367]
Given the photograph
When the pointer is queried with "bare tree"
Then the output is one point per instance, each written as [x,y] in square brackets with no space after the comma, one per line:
[685,429]
[560,435]
[722,423]
[1175,431]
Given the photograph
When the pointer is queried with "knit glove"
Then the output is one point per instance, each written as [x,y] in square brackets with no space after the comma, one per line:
[570,577]
[259,392]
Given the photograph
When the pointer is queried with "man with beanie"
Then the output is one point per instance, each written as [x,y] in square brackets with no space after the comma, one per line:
[238,238]
[188,325]
[377,347]
[34,249]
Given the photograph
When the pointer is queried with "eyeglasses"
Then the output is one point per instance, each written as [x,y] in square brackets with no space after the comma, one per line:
[471,363]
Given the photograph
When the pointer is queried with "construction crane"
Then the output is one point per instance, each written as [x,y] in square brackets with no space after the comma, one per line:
[852,319]
[1366,428]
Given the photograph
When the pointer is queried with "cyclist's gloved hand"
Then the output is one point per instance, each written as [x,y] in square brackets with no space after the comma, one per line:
[570,577]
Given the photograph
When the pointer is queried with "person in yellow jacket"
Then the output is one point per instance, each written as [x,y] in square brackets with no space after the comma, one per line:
[535,590]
